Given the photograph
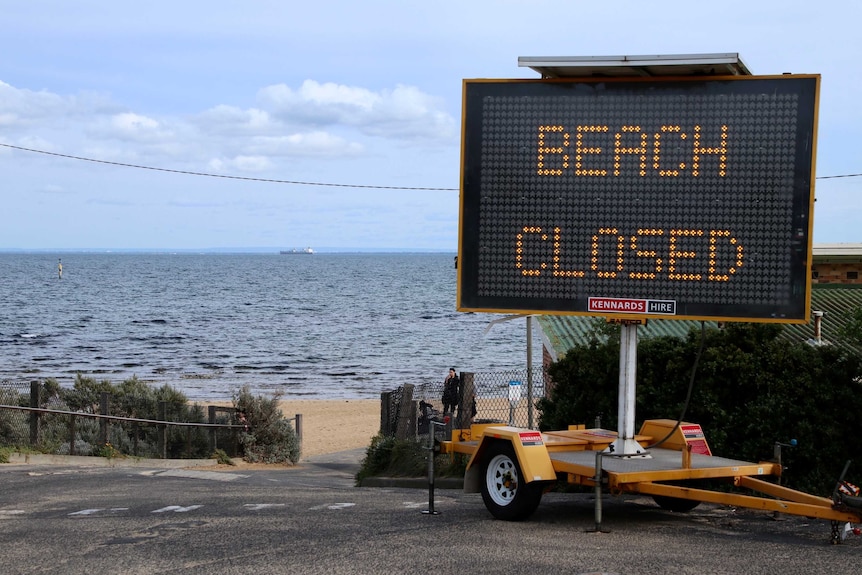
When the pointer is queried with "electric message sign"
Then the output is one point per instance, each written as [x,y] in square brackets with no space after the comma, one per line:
[686,198]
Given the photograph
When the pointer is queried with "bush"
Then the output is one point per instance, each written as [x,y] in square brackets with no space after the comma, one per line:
[751,389]
[391,457]
[270,437]
[131,398]
[222,458]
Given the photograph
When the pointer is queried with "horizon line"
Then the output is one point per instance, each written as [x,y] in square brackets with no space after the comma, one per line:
[233,250]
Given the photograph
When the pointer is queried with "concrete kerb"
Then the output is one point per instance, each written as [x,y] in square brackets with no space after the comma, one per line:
[91,461]
[344,461]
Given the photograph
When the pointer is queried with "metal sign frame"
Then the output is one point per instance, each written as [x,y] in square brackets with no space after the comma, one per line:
[672,197]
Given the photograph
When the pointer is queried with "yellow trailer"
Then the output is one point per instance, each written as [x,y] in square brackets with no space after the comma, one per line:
[513,467]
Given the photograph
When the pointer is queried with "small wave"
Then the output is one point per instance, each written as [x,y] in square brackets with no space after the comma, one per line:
[29,335]
[210,366]
[276,368]
[198,376]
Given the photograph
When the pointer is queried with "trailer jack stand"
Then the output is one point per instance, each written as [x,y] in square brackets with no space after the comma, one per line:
[431,434]
[598,496]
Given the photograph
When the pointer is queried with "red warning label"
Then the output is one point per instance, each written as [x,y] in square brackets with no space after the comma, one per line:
[530,438]
[620,305]
[694,436]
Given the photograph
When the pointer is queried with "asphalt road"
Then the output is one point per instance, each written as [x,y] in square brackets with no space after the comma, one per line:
[311,519]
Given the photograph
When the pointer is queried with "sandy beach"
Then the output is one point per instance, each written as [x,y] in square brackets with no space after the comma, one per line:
[331,425]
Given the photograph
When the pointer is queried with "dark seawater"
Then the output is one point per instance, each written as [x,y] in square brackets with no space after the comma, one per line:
[313,326]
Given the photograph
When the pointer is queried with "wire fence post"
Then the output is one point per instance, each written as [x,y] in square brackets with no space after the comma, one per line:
[297,427]
[71,435]
[211,418]
[103,423]
[406,425]
[468,401]
[163,429]
[35,416]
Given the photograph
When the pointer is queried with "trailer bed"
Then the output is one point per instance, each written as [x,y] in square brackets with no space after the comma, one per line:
[670,473]
[658,465]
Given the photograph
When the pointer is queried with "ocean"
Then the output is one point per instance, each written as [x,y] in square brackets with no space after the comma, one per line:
[321,326]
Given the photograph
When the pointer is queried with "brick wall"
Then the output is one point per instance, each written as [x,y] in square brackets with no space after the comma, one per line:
[836,273]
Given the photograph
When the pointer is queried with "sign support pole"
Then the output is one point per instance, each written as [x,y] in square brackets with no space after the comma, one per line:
[625,444]
[530,372]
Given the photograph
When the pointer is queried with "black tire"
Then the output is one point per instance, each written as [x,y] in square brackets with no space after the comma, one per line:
[675,504]
[504,492]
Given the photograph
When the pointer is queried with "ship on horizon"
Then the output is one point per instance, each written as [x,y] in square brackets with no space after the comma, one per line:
[307,251]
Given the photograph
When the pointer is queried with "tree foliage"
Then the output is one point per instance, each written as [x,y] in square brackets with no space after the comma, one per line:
[750,389]
[852,330]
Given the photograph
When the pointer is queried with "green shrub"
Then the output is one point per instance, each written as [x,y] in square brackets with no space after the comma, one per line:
[222,458]
[107,451]
[391,457]
[751,389]
[270,437]
[132,398]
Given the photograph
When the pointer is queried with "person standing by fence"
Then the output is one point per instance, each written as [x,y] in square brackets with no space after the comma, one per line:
[450,391]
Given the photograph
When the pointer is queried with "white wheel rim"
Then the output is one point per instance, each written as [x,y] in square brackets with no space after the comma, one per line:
[501,478]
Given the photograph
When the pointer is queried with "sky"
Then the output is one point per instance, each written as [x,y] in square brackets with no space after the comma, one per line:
[361,95]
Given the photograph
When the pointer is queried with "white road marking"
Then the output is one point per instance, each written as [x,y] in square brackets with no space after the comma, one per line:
[259,506]
[85,512]
[6,513]
[414,505]
[97,510]
[193,474]
[177,509]
[332,506]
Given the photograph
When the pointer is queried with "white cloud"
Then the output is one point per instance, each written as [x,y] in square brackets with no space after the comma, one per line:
[241,164]
[136,127]
[317,120]
[316,143]
[404,112]
[22,107]
[231,120]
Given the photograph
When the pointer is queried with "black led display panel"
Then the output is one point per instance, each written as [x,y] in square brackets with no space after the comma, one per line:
[687,198]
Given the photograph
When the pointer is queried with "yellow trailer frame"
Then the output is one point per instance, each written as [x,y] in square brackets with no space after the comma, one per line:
[512,467]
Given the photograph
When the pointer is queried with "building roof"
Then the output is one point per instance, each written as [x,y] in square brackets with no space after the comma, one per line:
[835,301]
[822,253]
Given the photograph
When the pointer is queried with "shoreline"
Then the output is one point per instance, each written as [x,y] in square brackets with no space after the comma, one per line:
[333,425]
[329,425]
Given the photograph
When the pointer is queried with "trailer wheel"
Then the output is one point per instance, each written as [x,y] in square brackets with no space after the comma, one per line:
[675,504]
[504,492]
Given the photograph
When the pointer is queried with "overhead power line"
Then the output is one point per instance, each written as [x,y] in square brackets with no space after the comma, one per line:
[227,177]
[274,181]
[838,176]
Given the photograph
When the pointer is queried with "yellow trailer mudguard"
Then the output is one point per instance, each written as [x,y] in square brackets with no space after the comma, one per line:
[529,450]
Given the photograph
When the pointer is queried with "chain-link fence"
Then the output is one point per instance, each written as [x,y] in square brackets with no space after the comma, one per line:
[14,425]
[505,397]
